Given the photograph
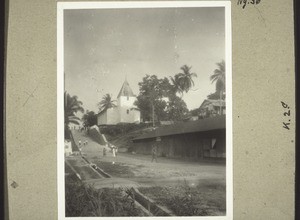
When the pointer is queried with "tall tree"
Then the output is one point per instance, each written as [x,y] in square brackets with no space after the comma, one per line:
[176,88]
[106,103]
[151,100]
[176,108]
[183,81]
[72,106]
[157,100]
[219,77]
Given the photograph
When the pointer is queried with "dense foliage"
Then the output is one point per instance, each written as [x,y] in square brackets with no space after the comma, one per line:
[183,81]
[86,201]
[186,200]
[89,119]
[158,100]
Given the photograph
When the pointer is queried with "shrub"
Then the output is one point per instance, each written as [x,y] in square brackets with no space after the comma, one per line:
[186,204]
[182,199]
[84,200]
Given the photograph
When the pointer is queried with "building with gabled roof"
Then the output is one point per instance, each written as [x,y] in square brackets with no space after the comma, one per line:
[211,108]
[125,110]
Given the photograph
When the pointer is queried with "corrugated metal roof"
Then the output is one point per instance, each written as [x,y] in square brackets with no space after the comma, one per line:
[207,124]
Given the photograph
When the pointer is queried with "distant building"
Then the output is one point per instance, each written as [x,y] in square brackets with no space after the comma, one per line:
[211,108]
[79,124]
[68,148]
[71,147]
[73,126]
[201,139]
[124,112]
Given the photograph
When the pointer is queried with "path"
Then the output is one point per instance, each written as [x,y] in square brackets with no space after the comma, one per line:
[129,170]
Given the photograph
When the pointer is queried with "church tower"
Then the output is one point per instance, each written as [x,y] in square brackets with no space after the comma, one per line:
[128,112]
[124,112]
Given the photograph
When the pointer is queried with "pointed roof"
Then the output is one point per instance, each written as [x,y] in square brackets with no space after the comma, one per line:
[213,102]
[126,90]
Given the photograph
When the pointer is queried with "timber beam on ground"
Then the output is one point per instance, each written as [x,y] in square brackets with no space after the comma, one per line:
[96,168]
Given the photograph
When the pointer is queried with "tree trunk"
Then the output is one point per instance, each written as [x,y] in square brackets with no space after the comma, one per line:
[153,123]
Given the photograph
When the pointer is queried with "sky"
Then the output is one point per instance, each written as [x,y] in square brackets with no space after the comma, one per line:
[102,47]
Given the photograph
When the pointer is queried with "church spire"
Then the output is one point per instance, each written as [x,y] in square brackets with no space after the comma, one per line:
[126,90]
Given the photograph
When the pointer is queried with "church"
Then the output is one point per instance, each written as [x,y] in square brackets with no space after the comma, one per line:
[124,112]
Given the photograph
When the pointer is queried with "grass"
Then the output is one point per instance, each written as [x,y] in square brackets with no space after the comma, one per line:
[85,201]
[205,199]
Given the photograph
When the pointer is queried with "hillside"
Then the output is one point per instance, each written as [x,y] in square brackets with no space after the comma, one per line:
[123,142]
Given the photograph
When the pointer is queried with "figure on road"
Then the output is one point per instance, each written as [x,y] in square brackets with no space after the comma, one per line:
[104,151]
[114,151]
[154,153]
[154,149]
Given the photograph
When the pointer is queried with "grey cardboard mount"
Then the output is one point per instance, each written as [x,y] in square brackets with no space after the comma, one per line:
[263,77]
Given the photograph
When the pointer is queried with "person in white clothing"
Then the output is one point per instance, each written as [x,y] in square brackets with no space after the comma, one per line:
[114,151]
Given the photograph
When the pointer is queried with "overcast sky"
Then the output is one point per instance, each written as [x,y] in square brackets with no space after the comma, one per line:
[102,46]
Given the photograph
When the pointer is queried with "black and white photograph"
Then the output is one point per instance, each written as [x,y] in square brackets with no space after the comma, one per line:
[144,109]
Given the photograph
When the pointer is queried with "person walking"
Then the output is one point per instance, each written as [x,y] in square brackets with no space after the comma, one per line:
[104,152]
[154,153]
[114,151]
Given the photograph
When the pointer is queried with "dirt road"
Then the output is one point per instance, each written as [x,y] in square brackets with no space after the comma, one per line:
[169,182]
[138,170]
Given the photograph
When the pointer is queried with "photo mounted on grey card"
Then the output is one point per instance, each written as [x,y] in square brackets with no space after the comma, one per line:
[144,109]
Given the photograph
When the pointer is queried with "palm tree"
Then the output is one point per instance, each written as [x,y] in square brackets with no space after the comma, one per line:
[183,81]
[72,106]
[219,77]
[176,85]
[106,103]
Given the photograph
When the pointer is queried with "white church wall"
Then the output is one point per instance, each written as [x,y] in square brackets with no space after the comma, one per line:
[102,118]
[136,116]
[113,116]
[109,117]
[127,114]
[126,101]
